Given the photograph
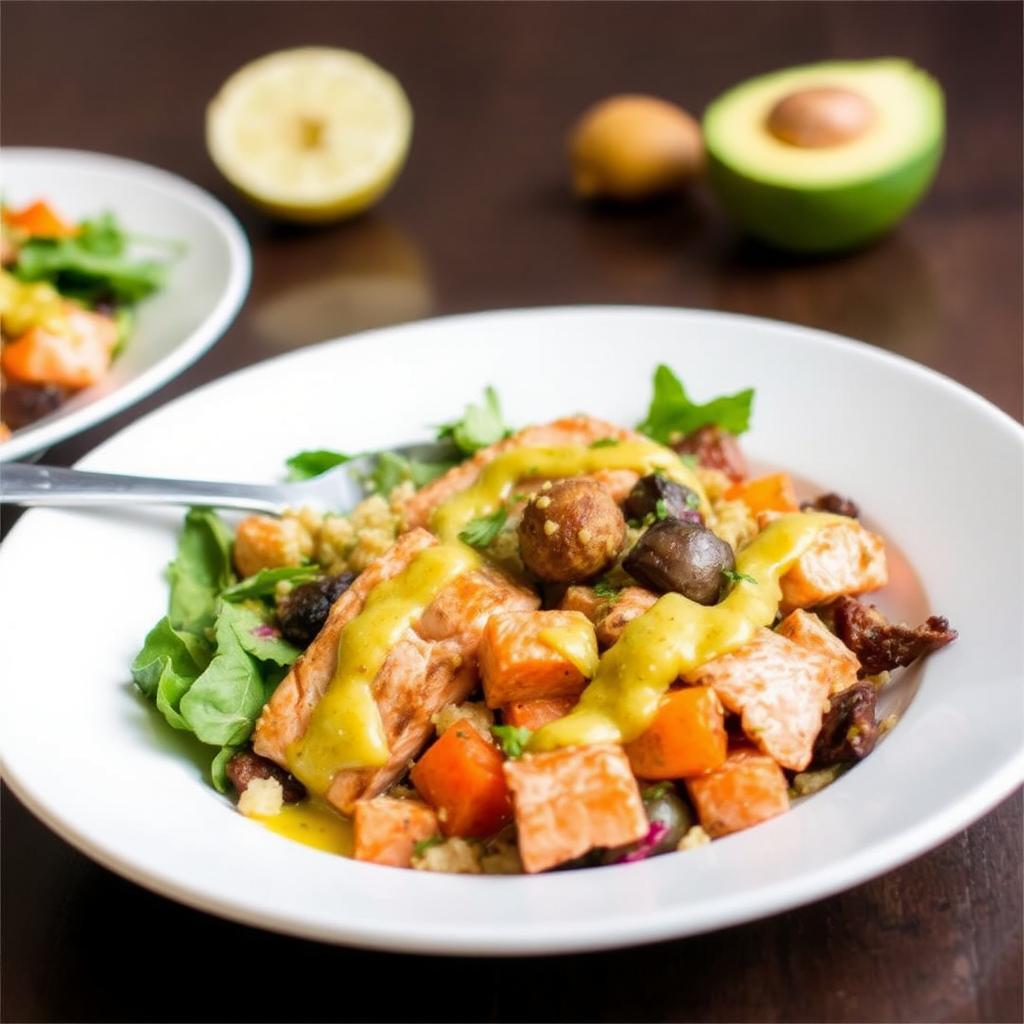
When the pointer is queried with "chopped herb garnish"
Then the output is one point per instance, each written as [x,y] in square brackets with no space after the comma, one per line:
[480,532]
[604,442]
[421,846]
[512,739]
[605,590]
[737,577]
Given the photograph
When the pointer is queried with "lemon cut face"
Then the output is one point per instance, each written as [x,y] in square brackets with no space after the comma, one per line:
[311,134]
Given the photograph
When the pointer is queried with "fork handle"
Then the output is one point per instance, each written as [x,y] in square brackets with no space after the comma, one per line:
[31,484]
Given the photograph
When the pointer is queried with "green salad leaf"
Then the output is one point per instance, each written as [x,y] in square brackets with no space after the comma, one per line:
[212,662]
[672,414]
[95,265]
[480,426]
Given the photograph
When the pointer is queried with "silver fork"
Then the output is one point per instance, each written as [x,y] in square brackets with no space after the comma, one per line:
[338,490]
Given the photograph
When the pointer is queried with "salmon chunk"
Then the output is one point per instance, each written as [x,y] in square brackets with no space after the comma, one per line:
[572,800]
[386,829]
[286,715]
[748,789]
[845,558]
[807,630]
[526,655]
[778,689]
[610,615]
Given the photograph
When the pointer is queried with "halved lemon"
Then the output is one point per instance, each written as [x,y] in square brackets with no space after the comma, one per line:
[311,134]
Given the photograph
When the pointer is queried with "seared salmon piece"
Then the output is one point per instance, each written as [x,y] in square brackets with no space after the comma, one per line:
[418,678]
[748,789]
[845,559]
[778,689]
[525,655]
[807,630]
[462,609]
[617,612]
[286,715]
[532,714]
[569,430]
[386,830]
[571,800]
[610,615]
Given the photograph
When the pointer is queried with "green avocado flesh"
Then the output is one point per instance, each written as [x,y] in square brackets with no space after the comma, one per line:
[837,197]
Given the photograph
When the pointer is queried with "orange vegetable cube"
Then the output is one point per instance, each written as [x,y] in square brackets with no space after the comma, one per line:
[747,789]
[40,220]
[461,776]
[526,655]
[771,493]
[571,800]
[386,830]
[686,737]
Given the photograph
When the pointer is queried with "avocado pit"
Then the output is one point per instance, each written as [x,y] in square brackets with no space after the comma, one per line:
[821,117]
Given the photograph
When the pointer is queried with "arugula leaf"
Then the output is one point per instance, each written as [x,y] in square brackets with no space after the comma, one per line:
[480,532]
[307,464]
[265,582]
[673,415]
[389,469]
[94,265]
[480,426]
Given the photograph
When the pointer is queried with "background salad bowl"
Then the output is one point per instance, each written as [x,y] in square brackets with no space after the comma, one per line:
[209,273]
[106,773]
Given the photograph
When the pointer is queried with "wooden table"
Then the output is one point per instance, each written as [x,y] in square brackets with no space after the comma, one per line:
[482,218]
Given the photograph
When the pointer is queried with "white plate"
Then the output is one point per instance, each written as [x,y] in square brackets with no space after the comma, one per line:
[938,467]
[175,326]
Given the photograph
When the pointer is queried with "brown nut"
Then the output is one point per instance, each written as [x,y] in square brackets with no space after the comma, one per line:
[821,117]
[570,531]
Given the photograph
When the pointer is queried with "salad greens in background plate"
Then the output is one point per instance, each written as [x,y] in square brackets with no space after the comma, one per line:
[208,269]
[109,776]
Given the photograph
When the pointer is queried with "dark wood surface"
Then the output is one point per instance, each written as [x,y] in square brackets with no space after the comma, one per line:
[482,218]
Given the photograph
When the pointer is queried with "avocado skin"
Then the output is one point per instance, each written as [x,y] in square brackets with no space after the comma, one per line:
[824,220]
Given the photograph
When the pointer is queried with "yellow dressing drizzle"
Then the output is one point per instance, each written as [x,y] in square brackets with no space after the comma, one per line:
[576,643]
[677,635]
[313,823]
[345,729]
[498,477]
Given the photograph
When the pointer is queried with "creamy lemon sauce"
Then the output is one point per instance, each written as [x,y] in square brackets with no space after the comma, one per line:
[345,729]
[498,477]
[313,823]
[677,635]
[576,643]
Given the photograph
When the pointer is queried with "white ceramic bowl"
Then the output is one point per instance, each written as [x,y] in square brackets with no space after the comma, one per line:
[937,468]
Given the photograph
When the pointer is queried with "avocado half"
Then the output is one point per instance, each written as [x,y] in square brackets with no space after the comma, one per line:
[836,197]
